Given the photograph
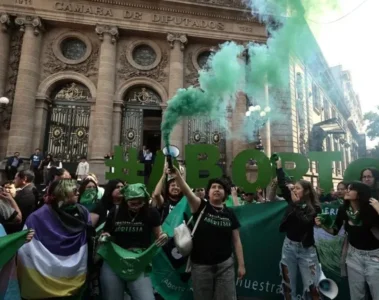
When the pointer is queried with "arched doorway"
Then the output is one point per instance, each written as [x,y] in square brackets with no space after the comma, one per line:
[68,123]
[203,130]
[142,117]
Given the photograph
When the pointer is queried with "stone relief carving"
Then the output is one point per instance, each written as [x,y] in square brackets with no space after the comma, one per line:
[14,61]
[159,73]
[105,29]
[192,76]
[34,22]
[52,64]
[73,92]
[5,22]
[144,96]
[224,3]
[177,37]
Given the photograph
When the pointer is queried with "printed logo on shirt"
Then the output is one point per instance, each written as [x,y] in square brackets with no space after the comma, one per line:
[217,221]
[129,227]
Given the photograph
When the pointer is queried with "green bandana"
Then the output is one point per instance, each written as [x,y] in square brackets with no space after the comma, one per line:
[326,220]
[128,265]
[133,191]
[89,199]
[354,217]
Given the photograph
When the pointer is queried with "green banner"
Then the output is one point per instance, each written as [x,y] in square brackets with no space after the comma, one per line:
[262,245]
[9,245]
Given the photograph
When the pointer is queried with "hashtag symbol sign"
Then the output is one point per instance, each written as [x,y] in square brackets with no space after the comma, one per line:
[124,169]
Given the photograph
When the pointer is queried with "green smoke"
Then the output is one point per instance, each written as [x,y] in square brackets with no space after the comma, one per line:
[289,36]
[219,83]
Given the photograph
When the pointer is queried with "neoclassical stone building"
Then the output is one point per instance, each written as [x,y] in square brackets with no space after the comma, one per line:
[85,76]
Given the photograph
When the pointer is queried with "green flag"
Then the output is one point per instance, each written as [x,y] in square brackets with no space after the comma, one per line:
[9,245]
[128,265]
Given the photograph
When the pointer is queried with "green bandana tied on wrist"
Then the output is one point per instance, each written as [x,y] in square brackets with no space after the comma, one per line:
[127,264]
[134,191]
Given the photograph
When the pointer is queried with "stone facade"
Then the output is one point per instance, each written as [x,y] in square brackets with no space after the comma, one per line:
[85,76]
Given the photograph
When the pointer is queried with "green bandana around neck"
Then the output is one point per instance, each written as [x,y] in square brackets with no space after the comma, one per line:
[128,265]
[133,191]
[354,217]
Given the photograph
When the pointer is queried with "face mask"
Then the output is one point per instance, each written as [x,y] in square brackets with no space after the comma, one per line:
[88,197]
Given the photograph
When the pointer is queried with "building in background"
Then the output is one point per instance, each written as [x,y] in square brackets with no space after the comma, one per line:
[85,76]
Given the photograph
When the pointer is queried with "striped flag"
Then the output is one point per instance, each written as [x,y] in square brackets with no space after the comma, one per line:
[54,263]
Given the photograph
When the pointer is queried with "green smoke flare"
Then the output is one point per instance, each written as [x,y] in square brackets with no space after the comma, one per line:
[289,36]
[219,83]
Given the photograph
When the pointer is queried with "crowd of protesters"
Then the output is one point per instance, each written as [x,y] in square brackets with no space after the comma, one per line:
[65,214]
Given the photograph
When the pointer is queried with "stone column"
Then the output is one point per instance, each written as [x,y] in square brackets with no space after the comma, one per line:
[41,112]
[4,51]
[22,123]
[117,115]
[177,43]
[102,125]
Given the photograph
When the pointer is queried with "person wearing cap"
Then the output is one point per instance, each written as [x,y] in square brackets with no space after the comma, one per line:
[131,225]
[216,236]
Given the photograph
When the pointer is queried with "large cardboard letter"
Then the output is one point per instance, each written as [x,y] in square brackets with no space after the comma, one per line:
[239,170]
[124,167]
[325,167]
[354,169]
[301,164]
[201,158]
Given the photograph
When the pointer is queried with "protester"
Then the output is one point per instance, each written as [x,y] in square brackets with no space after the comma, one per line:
[360,216]
[83,169]
[26,198]
[213,274]
[370,176]
[112,196]
[43,167]
[13,163]
[35,162]
[88,194]
[100,190]
[299,251]
[54,263]
[131,225]
[52,169]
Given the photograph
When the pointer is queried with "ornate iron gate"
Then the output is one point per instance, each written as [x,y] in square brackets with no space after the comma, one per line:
[205,131]
[131,132]
[67,138]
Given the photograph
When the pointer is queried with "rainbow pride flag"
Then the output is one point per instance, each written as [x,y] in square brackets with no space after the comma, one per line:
[54,263]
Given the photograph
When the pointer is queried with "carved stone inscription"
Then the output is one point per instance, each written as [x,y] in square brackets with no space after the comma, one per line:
[84,9]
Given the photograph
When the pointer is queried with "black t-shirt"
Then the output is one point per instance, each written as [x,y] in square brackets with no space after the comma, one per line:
[132,230]
[212,241]
[167,207]
[360,237]
[100,210]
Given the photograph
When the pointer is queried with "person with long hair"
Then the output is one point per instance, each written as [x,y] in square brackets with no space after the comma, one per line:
[370,176]
[112,196]
[88,193]
[131,225]
[166,195]
[299,251]
[216,236]
[360,216]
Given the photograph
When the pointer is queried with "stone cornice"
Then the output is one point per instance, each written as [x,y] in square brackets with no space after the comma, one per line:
[151,6]
[105,29]
[177,37]
[32,21]
[4,21]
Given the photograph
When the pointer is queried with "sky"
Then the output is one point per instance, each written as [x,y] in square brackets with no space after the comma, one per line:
[353,42]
